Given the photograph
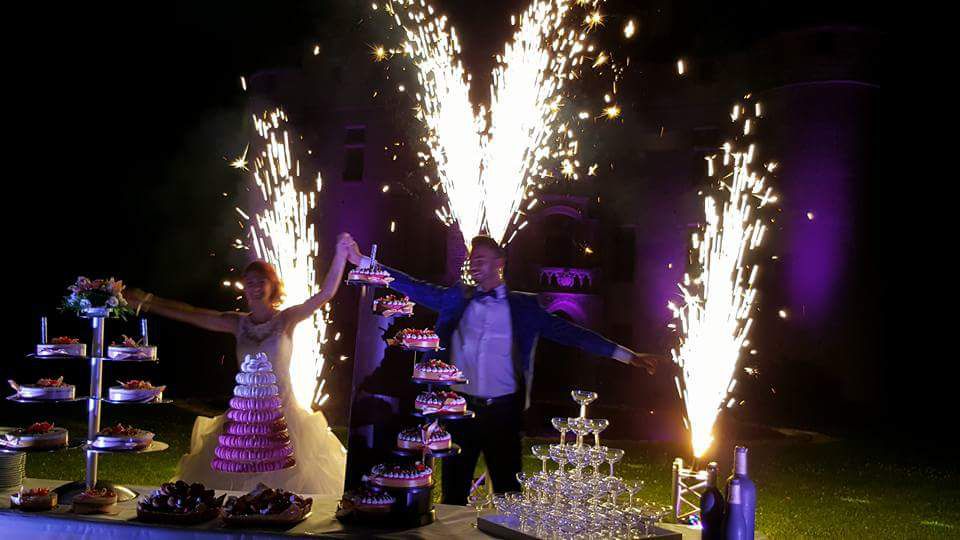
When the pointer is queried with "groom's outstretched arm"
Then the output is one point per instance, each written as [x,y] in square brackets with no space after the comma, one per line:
[426,294]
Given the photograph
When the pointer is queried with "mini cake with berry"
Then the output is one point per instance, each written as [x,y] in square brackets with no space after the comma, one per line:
[431,436]
[390,305]
[135,390]
[370,275]
[62,346]
[367,500]
[45,389]
[37,436]
[412,338]
[440,402]
[121,437]
[95,501]
[401,475]
[436,370]
[131,349]
[36,499]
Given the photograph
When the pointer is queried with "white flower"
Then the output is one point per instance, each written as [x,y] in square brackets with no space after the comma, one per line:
[85,304]
[112,301]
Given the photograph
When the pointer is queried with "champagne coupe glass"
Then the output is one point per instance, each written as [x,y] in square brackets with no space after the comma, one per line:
[597,425]
[479,499]
[583,398]
[542,452]
[615,487]
[579,426]
[500,502]
[560,424]
[558,454]
[525,485]
[575,455]
[633,487]
[613,456]
[514,498]
[597,456]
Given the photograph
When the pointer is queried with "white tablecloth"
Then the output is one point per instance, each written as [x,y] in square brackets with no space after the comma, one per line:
[452,522]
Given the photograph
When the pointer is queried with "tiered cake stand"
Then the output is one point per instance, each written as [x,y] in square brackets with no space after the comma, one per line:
[94,400]
[418,501]
[414,506]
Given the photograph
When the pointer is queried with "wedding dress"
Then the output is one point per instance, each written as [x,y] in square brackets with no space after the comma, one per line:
[320,457]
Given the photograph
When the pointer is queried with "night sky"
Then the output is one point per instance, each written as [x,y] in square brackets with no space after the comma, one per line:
[121,118]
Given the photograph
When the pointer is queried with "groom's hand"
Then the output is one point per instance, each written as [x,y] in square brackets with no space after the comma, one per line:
[635,359]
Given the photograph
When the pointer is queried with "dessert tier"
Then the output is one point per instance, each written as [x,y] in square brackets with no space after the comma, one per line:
[122,437]
[40,435]
[412,338]
[436,370]
[116,352]
[440,402]
[180,503]
[62,346]
[391,305]
[400,475]
[373,275]
[95,501]
[255,454]
[266,506]
[37,499]
[431,435]
[135,390]
[45,389]
[367,500]
[255,404]
[232,466]
[277,440]
[254,416]
[255,437]
[255,428]
[258,378]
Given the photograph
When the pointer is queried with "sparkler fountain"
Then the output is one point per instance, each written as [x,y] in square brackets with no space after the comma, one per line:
[490,162]
[282,235]
[718,298]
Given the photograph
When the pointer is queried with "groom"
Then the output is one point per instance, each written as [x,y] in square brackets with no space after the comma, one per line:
[491,334]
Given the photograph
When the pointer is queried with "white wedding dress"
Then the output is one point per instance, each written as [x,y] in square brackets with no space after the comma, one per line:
[321,459]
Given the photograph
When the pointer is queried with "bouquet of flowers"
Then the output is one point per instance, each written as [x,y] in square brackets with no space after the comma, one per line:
[98,297]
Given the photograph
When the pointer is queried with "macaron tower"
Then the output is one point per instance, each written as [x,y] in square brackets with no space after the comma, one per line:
[254,437]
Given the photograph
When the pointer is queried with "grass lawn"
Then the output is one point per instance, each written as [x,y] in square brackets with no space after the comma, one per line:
[826,489]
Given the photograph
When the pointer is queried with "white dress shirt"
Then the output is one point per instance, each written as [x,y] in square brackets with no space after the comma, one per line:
[482,347]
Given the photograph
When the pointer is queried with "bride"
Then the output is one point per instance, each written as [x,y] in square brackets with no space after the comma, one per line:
[320,457]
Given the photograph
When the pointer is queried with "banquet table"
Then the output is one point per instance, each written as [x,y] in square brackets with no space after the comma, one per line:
[452,522]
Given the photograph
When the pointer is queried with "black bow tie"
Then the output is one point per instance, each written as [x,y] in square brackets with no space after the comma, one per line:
[478,294]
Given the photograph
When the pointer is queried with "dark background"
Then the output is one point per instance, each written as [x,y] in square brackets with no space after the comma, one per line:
[123,116]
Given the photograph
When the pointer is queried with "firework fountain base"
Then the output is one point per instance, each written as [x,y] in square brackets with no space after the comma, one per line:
[687,484]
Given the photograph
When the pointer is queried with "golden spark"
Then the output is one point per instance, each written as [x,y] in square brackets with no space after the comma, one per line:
[719,293]
[283,235]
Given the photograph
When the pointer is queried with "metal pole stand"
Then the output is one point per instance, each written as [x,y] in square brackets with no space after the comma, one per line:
[66,492]
[687,486]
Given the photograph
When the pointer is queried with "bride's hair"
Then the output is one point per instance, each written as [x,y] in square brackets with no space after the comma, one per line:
[269,273]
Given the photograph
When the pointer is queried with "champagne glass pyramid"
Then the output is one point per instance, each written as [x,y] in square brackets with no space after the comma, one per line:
[254,438]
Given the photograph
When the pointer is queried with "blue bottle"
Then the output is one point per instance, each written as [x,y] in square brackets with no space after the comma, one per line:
[711,507]
[734,528]
[748,491]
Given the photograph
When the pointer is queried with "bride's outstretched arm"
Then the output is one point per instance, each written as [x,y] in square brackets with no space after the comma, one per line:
[331,283]
[208,319]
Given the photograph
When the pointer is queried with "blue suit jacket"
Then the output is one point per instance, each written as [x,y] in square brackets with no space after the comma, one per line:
[528,319]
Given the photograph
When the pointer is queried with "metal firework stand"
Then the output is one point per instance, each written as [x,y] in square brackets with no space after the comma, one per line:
[94,401]
[687,485]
